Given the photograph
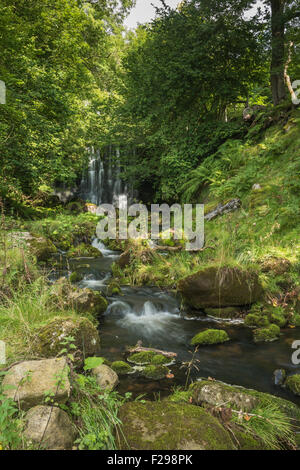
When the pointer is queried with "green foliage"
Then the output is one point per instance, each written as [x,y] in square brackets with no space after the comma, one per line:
[92,362]
[270,424]
[97,415]
[10,424]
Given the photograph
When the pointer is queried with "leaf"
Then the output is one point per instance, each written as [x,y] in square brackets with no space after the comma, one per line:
[92,362]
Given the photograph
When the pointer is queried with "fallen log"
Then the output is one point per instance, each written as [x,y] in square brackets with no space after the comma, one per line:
[138,348]
[219,210]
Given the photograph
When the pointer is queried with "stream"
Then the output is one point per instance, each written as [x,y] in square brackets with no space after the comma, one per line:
[153,316]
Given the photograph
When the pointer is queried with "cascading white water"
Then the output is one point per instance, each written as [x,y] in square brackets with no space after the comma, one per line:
[102,182]
[148,321]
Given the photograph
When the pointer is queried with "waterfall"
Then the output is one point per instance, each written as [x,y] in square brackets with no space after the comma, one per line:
[102,182]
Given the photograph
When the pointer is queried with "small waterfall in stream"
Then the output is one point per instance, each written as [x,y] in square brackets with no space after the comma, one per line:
[102,182]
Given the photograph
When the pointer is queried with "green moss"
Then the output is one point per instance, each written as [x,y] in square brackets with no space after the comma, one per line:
[76,277]
[270,333]
[42,248]
[210,337]
[295,320]
[159,359]
[256,320]
[121,367]
[180,396]
[293,384]
[248,442]
[155,372]
[142,358]
[84,251]
[49,338]
[170,426]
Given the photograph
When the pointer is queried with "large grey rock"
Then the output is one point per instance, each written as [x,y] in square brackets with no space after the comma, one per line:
[220,287]
[49,428]
[28,383]
[106,378]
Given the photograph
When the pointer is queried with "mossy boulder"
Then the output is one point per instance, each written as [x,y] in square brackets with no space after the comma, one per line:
[49,338]
[256,320]
[87,300]
[121,367]
[293,384]
[270,333]
[170,426]
[239,398]
[42,248]
[220,287]
[208,337]
[226,312]
[81,300]
[155,372]
[84,250]
[75,277]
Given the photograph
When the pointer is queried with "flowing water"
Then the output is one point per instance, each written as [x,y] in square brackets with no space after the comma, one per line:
[153,316]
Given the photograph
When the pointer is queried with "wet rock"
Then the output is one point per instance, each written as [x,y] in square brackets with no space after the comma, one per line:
[170,426]
[293,384]
[49,428]
[220,287]
[208,337]
[106,378]
[31,380]
[49,338]
[279,376]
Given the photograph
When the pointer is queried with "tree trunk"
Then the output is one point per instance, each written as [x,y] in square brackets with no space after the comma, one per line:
[277,64]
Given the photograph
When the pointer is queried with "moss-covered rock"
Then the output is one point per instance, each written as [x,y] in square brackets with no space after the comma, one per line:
[220,287]
[75,277]
[226,312]
[239,398]
[84,251]
[257,320]
[49,338]
[121,367]
[295,320]
[42,248]
[210,337]
[87,300]
[81,300]
[155,372]
[170,426]
[142,358]
[293,384]
[271,333]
